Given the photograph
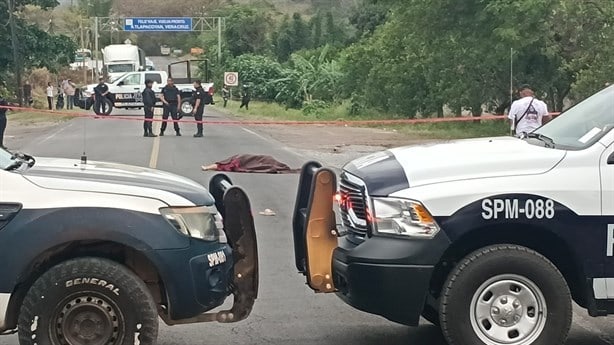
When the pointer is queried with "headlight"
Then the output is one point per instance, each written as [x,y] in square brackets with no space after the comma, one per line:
[404,217]
[202,222]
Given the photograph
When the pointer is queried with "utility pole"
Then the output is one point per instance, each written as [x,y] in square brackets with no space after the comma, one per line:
[15,46]
[83,49]
[511,76]
[219,41]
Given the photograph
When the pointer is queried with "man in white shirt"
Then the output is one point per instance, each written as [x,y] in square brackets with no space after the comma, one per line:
[526,114]
[50,96]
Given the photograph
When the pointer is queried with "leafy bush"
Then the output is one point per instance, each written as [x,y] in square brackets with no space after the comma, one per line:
[260,72]
[315,108]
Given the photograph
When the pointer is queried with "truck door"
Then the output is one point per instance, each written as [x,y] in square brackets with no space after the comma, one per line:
[314,226]
[128,91]
[604,287]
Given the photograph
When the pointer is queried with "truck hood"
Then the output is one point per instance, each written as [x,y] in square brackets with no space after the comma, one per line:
[102,177]
[415,166]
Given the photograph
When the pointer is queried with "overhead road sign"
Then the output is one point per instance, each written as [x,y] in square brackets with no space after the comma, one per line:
[158,24]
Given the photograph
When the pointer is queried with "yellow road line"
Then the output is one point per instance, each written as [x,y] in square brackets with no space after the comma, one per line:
[155,150]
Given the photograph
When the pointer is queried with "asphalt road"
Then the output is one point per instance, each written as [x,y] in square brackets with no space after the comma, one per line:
[286,312]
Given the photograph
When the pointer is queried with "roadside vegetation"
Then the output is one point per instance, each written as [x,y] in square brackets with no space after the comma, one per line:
[420,58]
[353,59]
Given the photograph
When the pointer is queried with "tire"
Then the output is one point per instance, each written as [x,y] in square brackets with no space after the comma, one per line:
[495,277]
[186,107]
[108,108]
[61,308]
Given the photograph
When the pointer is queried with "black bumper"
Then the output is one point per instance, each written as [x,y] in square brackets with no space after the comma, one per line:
[387,276]
[193,285]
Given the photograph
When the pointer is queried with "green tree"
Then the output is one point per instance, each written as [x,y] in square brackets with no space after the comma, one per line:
[246,31]
[291,36]
[35,47]
[315,24]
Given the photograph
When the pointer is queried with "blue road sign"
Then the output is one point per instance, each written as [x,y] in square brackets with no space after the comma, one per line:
[158,24]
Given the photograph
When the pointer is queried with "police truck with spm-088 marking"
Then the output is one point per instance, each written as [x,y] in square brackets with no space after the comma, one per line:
[489,238]
[94,252]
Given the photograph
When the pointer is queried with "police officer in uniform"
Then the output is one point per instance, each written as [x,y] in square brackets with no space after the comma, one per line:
[149,102]
[171,99]
[3,110]
[100,93]
[199,107]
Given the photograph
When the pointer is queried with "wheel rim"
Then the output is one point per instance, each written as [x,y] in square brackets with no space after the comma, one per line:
[87,320]
[508,309]
[186,107]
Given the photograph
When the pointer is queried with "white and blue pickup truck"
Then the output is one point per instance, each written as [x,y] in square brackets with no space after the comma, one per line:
[126,91]
[492,239]
[94,253]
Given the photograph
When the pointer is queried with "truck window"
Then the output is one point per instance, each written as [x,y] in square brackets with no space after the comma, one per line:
[132,79]
[156,77]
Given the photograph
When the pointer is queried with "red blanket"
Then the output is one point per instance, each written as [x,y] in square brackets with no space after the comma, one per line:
[254,164]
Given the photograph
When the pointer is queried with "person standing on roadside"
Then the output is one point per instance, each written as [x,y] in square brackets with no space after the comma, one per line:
[225,95]
[245,97]
[69,91]
[3,109]
[199,108]
[149,102]
[50,95]
[171,98]
[526,114]
[100,94]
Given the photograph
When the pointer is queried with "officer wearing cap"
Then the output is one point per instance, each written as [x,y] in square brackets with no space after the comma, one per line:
[149,102]
[100,94]
[171,98]
[199,107]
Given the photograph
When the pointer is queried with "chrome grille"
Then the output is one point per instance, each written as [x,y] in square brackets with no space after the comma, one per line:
[353,206]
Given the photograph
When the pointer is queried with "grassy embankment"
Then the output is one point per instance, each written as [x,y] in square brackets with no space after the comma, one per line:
[262,111]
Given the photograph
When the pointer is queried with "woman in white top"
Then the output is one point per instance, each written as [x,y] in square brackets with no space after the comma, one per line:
[50,96]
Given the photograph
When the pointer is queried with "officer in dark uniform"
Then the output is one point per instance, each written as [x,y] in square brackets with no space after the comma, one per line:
[245,97]
[171,99]
[100,93]
[3,110]
[199,107]
[149,102]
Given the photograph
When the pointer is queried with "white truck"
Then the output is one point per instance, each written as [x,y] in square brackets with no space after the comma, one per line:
[165,50]
[122,58]
[125,92]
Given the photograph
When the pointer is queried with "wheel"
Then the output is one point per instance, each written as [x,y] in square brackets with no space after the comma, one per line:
[186,107]
[505,294]
[88,301]
[108,108]
[430,314]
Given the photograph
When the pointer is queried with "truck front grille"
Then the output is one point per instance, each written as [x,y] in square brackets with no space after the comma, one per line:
[353,206]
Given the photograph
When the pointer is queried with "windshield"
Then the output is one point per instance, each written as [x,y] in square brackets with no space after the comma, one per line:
[584,124]
[120,68]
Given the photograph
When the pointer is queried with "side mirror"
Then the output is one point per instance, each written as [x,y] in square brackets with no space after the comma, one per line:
[120,83]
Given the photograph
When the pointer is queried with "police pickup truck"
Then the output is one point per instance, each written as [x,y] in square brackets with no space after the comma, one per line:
[93,253]
[126,91]
[489,238]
